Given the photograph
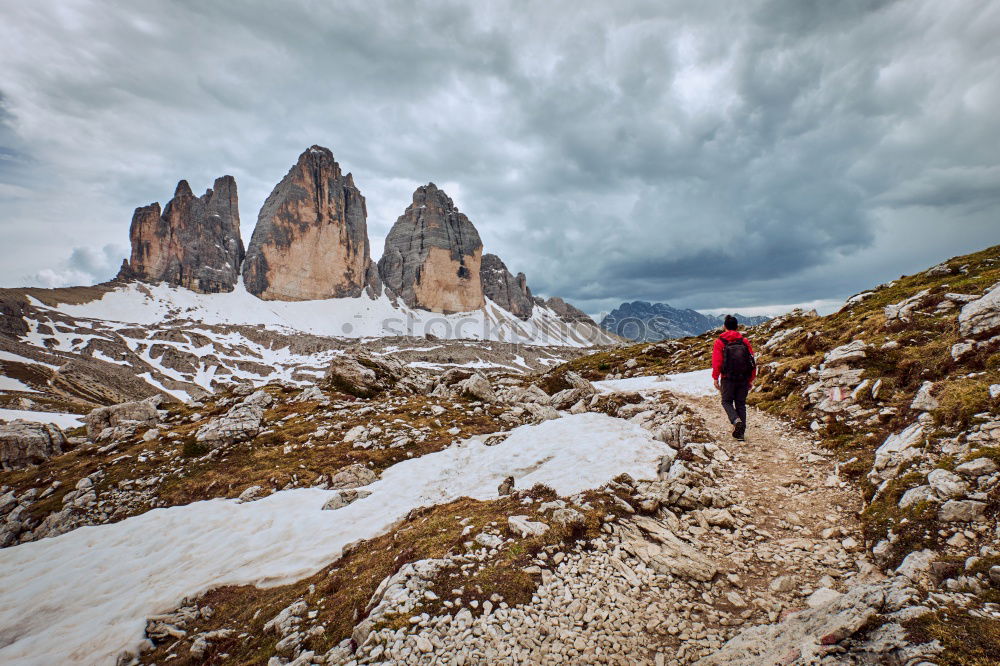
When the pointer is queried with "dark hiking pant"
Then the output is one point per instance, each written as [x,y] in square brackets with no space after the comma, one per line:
[734,398]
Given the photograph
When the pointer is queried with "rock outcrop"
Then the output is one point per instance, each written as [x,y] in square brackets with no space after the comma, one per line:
[195,242]
[24,443]
[982,316]
[433,256]
[509,292]
[311,238]
[139,413]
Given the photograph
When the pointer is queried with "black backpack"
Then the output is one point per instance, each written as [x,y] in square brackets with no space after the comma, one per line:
[737,361]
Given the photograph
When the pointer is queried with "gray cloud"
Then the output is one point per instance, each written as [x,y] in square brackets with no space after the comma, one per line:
[711,155]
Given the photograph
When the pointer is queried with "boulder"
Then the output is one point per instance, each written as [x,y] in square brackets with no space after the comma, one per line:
[24,443]
[250,494]
[977,467]
[363,375]
[821,597]
[312,394]
[195,243]
[139,412]
[832,632]
[344,497]
[567,398]
[530,393]
[962,511]
[960,350]
[489,540]
[664,552]
[239,424]
[522,526]
[917,564]
[578,382]
[433,256]
[568,517]
[946,484]
[924,401]
[476,387]
[895,450]
[311,238]
[846,354]
[903,310]
[982,316]
[352,476]
[916,495]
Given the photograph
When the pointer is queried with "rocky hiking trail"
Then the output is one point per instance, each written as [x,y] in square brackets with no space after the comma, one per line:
[809,536]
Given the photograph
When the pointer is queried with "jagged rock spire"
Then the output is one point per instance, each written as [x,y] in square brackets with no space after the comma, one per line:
[194,242]
[500,286]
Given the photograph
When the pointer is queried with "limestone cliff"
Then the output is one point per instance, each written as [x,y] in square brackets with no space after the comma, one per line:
[311,238]
[194,243]
[509,292]
[433,254]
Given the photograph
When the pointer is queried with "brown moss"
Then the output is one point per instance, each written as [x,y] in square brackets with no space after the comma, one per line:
[967,640]
[960,399]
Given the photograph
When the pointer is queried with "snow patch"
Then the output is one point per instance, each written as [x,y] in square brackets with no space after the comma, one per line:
[60,419]
[697,383]
[11,384]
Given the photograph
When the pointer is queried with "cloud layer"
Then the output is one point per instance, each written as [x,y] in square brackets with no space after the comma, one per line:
[709,155]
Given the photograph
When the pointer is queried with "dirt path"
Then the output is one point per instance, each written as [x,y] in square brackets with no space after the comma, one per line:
[802,522]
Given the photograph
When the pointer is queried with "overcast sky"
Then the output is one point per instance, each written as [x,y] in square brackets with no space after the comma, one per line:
[716,155]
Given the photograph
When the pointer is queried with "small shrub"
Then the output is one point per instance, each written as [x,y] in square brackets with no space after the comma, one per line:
[193,449]
[960,400]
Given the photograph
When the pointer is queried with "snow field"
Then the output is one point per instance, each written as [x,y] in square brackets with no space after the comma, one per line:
[83,597]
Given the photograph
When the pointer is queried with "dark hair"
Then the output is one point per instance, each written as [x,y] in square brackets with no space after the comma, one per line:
[730,323]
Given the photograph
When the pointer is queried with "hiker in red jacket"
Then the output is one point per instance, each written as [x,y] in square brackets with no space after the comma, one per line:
[733,362]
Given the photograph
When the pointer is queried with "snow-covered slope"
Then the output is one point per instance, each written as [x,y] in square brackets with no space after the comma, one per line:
[136,338]
[83,597]
[341,317]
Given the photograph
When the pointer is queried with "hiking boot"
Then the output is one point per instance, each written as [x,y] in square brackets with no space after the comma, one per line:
[739,429]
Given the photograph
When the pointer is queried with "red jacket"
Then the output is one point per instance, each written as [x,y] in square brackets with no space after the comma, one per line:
[717,352]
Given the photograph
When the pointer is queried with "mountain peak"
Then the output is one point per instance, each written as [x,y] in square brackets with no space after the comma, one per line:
[433,254]
[311,238]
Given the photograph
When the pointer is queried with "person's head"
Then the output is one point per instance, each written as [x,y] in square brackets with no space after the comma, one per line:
[730,323]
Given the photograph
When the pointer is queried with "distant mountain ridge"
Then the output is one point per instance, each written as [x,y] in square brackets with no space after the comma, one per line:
[648,322]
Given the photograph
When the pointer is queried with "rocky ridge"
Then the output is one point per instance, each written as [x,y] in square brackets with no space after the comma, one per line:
[651,322]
